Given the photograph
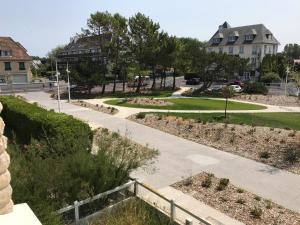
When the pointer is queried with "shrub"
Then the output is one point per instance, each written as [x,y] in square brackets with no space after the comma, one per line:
[240,190]
[264,155]
[270,77]
[223,184]
[257,198]
[241,201]
[255,88]
[207,181]
[140,115]
[268,204]
[256,212]
[292,153]
[62,133]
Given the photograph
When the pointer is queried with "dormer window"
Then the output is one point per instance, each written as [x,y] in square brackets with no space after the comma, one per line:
[216,40]
[231,39]
[249,37]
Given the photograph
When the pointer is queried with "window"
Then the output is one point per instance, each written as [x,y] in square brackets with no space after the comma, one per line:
[231,39]
[265,49]
[7,66]
[220,50]
[21,66]
[216,40]
[241,49]
[230,50]
[248,37]
[254,50]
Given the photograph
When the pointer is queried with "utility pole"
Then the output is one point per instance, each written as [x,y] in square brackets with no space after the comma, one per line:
[69,86]
[58,92]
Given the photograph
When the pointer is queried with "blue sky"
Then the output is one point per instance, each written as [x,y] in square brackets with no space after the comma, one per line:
[41,25]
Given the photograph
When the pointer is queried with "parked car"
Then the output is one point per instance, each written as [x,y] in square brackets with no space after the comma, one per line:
[236,88]
[238,82]
[193,81]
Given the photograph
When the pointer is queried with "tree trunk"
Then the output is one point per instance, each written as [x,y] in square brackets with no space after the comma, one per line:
[139,84]
[154,79]
[124,81]
[103,88]
[174,80]
[115,83]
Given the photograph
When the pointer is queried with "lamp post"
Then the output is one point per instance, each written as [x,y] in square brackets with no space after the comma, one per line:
[286,79]
[58,92]
[69,86]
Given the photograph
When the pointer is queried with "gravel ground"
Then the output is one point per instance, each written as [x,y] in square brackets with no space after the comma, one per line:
[100,108]
[237,202]
[148,101]
[271,99]
[272,146]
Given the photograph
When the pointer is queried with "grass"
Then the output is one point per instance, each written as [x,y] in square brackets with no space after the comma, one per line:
[284,120]
[134,212]
[191,104]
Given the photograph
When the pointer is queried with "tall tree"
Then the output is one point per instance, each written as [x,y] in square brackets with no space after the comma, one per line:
[144,36]
[292,51]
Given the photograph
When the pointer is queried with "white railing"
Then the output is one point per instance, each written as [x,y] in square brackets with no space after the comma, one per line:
[177,213]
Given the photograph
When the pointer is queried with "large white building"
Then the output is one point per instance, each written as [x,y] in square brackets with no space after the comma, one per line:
[252,42]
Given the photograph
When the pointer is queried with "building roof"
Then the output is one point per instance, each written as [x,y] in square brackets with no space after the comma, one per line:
[18,52]
[261,34]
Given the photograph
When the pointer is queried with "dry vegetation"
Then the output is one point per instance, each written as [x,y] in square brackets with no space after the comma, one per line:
[148,101]
[273,146]
[271,99]
[100,108]
[236,202]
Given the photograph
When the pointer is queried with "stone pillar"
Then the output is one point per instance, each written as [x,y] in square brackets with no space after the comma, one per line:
[6,204]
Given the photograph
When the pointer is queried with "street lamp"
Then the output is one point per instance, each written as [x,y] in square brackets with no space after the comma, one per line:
[58,92]
[69,86]
[286,79]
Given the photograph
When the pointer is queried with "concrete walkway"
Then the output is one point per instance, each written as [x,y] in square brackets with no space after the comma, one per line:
[125,112]
[180,158]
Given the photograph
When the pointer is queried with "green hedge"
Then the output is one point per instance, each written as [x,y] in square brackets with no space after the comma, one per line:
[62,133]
[255,88]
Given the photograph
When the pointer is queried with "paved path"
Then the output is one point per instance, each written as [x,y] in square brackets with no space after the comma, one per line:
[125,112]
[181,158]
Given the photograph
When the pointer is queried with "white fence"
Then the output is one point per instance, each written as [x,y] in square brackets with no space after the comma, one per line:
[177,213]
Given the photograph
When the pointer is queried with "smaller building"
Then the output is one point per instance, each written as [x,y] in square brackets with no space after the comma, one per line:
[14,62]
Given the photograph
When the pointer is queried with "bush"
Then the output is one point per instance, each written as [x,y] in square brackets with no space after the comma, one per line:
[264,155]
[140,115]
[256,212]
[241,201]
[255,88]
[223,184]
[207,181]
[62,133]
[270,77]
[292,153]
[73,177]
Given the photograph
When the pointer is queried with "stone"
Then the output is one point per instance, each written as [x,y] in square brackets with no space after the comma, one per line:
[4,162]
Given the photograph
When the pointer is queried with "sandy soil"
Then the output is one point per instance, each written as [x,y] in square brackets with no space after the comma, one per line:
[236,202]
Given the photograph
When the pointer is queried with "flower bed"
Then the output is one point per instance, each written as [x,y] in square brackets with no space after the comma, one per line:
[236,202]
[272,146]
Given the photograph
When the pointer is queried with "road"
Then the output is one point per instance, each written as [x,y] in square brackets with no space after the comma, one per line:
[180,158]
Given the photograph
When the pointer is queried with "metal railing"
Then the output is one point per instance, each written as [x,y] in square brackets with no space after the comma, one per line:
[176,212]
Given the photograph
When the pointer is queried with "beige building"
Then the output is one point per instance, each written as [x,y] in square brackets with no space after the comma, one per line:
[14,62]
[252,42]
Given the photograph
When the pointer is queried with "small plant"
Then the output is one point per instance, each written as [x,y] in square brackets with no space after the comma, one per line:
[232,138]
[188,181]
[292,134]
[268,204]
[271,128]
[207,181]
[256,212]
[241,201]
[240,190]
[223,184]
[292,154]
[264,155]
[140,115]
[223,199]
[159,117]
[257,198]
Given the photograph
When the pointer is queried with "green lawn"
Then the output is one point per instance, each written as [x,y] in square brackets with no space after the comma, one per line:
[191,104]
[278,120]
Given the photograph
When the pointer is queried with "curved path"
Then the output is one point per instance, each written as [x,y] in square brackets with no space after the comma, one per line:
[181,158]
[125,112]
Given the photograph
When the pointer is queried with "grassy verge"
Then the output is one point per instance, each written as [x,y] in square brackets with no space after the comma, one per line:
[134,212]
[191,104]
[276,120]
